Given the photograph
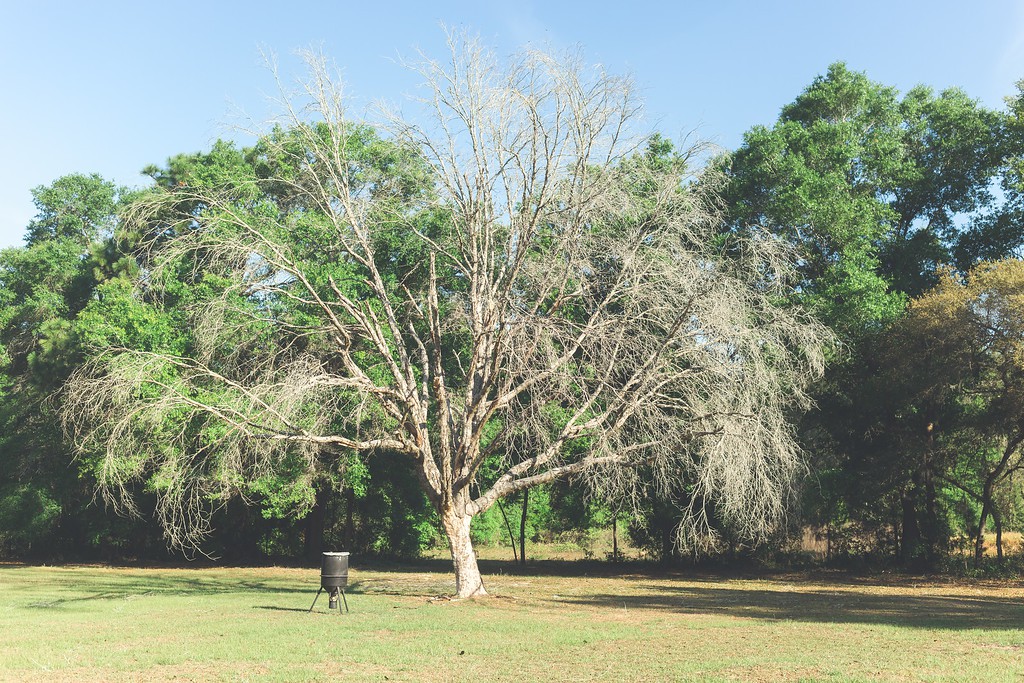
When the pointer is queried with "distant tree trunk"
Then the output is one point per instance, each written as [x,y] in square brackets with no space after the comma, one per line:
[241,540]
[936,534]
[979,538]
[997,518]
[522,527]
[615,536]
[995,475]
[911,540]
[314,532]
[666,543]
[511,536]
[897,534]
[661,525]
[828,540]
[350,522]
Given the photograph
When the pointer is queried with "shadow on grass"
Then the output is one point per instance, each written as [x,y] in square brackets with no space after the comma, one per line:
[562,568]
[803,598]
[272,608]
[90,587]
[954,612]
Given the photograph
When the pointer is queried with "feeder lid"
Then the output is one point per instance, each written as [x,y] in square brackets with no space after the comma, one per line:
[337,553]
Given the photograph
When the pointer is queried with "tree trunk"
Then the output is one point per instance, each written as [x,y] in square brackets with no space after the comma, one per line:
[911,541]
[522,527]
[314,532]
[979,539]
[666,542]
[350,522]
[999,533]
[455,522]
[897,534]
[615,536]
[936,537]
[511,536]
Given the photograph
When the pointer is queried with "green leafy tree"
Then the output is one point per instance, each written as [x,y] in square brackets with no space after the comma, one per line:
[968,357]
[79,208]
[869,187]
[43,287]
[874,191]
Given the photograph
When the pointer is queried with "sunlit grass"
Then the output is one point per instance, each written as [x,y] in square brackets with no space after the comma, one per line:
[552,623]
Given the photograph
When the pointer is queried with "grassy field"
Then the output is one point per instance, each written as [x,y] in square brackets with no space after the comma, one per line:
[558,621]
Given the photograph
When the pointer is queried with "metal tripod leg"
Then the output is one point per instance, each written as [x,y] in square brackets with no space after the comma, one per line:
[345,600]
[319,590]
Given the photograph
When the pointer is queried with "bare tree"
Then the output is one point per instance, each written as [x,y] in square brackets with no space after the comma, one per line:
[572,310]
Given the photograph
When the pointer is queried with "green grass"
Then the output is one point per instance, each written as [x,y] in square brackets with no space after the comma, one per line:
[552,623]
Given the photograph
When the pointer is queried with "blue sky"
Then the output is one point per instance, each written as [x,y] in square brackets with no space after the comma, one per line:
[109,87]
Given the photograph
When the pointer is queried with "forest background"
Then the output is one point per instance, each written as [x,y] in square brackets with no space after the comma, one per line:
[906,210]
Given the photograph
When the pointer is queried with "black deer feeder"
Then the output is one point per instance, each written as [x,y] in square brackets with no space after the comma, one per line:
[333,579]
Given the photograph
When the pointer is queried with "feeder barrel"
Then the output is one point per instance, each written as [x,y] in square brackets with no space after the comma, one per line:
[334,571]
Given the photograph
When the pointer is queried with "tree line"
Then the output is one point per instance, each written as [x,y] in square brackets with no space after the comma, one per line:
[516,316]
